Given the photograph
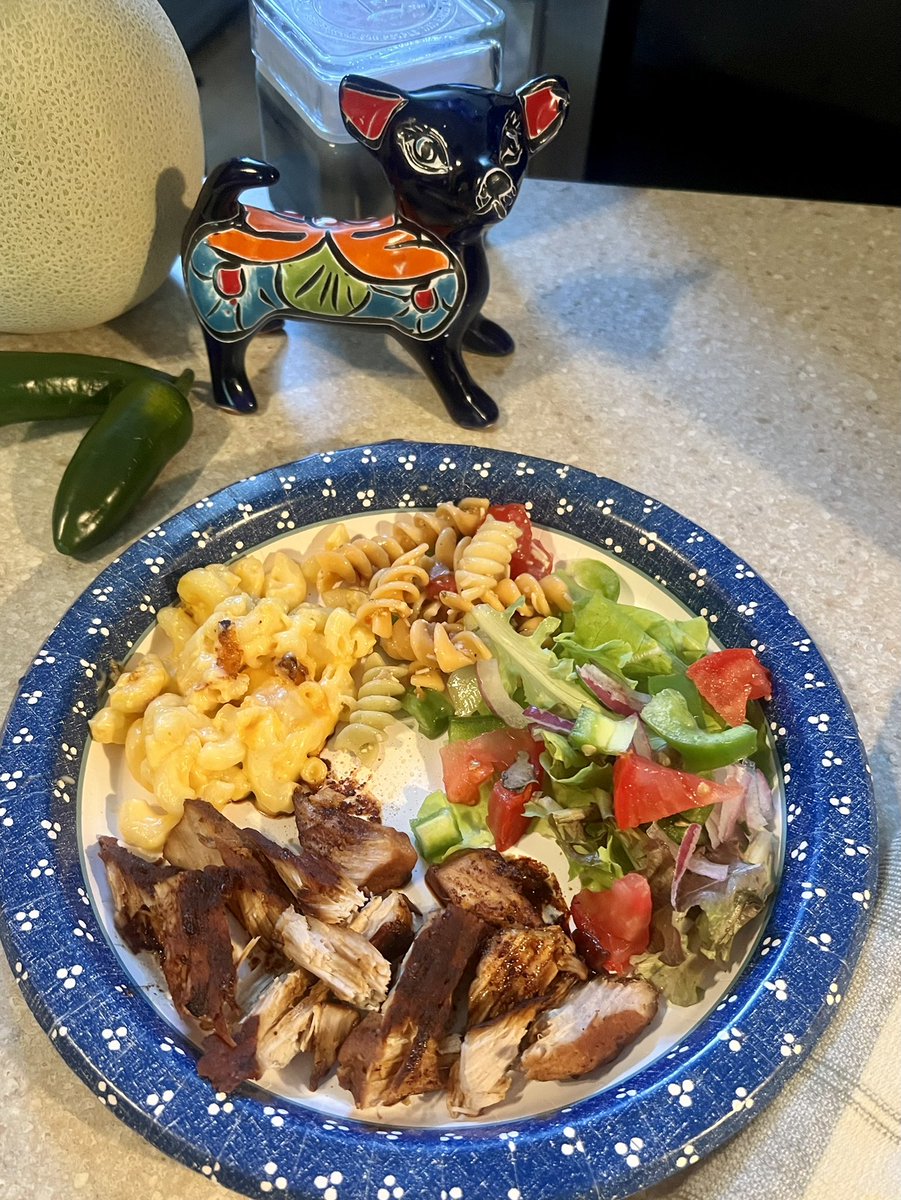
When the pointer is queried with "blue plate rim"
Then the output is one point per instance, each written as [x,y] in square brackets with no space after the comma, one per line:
[626,1139]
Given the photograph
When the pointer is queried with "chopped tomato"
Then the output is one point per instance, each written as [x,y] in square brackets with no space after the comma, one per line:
[440,580]
[506,819]
[728,679]
[531,557]
[469,764]
[645,791]
[613,925]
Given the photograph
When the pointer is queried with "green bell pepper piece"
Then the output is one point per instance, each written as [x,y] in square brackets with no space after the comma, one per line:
[669,716]
[432,712]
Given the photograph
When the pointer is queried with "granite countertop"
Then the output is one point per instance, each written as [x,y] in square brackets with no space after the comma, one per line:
[733,357]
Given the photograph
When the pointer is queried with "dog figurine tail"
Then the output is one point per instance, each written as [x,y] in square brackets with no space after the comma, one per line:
[218,198]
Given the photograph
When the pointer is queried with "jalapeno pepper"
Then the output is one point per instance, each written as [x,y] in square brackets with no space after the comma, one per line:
[36,387]
[143,426]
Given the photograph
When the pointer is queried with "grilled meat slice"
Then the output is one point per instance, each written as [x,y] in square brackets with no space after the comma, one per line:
[387,923]
[374,856]
[133,882]
[266,1038]
[203,838]
[398,1052]
[319,889]
[339,956]
[190,922]
[502,891]
[482,1075]
[596,1021]
[331,1027]
[322,1023]
[521,964]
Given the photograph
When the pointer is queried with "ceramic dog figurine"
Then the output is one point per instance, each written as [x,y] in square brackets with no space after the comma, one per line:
[455,157]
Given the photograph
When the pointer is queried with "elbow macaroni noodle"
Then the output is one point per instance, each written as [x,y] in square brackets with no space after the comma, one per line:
[261,670]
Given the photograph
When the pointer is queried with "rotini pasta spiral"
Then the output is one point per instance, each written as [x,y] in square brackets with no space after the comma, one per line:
[394,591]
[541,596]
[352,563]
[375,708]
[420,526]
[435,649]
[485,561]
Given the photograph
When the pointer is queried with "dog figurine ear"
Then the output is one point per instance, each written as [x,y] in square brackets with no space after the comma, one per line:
[545,102]
[367,106]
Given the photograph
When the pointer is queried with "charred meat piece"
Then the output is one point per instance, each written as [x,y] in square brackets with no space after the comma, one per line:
[323,1023]
[502,891]
[374,856]
[339,956]
[481,1076]
[596,1021]
[521,964]
[319,889]
[133,882]
[205,838]
[266,1038]
[386,922]
[398,1052]
[190,921]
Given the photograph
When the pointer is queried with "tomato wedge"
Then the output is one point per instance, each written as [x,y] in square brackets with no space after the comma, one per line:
[613,925]
[469,764]
[645,791]
[440,580]
[531,557]
[728,679]
[506,819]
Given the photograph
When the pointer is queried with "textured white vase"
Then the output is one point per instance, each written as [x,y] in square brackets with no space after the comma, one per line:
[101,158]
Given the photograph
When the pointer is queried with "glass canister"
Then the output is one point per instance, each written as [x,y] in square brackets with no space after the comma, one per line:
[303,49]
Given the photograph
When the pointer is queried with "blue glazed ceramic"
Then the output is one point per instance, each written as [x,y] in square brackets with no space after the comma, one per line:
[664,1116]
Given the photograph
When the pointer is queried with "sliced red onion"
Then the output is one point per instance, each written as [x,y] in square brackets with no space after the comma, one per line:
[686,850]
[699,865]
[548,720]
[611,693]
[519,774]
[739,778]
[760,809]
[641,743]
[495,694]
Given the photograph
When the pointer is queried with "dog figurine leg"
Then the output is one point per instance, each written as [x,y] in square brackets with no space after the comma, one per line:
[485,336]
[231,388]
[468,404]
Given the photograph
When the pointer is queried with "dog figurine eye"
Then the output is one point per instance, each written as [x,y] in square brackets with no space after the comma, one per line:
[424,149]
[511,140]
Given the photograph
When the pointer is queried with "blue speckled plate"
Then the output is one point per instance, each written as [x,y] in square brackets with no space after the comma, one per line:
[663,1117]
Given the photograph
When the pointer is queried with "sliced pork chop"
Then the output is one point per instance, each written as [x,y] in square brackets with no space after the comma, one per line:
[133,882]
[521,964]
[482,1075]
[387,923]
[502,891]
[265,1039]
[399,1052]
[375,856]
[340,957]
[204,838]
[318,887]
[593,1025]
[190,920]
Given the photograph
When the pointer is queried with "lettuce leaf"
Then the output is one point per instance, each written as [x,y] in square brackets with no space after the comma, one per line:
[546,682]
[632,643]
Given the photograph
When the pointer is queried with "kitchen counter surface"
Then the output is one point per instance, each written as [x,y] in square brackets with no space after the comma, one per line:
[737,359]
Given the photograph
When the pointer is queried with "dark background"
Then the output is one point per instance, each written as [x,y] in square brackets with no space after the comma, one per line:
[796,98]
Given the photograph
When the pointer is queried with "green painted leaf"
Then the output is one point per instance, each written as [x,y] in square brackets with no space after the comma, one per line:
[319,284]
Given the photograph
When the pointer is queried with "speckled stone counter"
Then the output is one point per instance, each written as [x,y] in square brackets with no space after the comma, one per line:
[733,357]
